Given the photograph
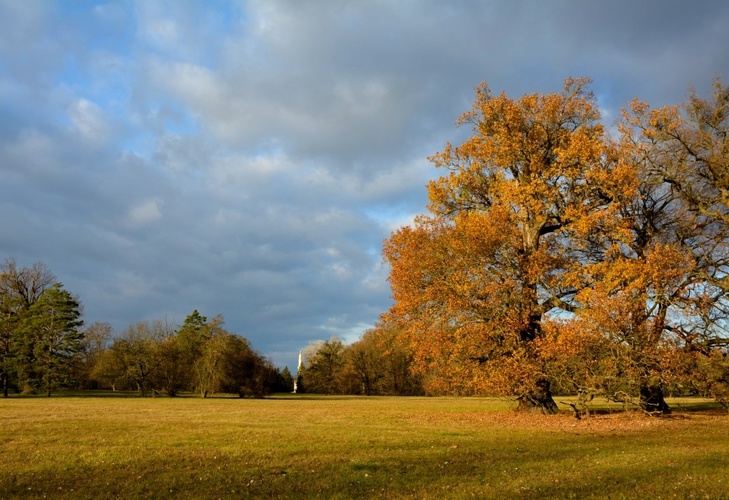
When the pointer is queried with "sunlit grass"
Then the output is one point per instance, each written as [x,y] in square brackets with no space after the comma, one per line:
[352,447]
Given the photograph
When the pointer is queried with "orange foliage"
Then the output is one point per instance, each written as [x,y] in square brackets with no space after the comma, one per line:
[541,216]
[473,281]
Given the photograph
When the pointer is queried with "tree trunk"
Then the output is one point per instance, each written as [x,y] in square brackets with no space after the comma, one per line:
[538,401]
[651,399]
[5,385]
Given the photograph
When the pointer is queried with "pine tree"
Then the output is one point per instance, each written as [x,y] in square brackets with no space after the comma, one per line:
[51,338]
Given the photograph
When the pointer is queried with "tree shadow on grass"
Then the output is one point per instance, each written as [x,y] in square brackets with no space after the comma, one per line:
[521,469]
[680,406]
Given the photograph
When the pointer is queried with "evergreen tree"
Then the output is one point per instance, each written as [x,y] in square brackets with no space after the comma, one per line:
[20,288]
[51,338]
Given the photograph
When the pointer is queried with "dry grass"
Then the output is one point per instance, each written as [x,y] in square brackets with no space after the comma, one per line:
[352,448]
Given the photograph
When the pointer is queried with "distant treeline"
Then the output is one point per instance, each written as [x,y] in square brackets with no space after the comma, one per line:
[379,363]
[44,346]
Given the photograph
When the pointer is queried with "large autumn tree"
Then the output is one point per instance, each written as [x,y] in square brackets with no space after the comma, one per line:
[474,281]
[635,299]
[681,228]
[554,253]
[654,305]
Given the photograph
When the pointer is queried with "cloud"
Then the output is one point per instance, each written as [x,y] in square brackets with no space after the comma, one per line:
[248,158]
[89,120]
[145,213]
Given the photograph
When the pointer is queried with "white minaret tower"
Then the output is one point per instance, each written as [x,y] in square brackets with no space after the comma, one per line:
[298,373]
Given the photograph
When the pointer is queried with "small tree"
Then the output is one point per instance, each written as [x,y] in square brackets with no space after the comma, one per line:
[713,380]
[209,367]
[382,362]
[96,339]
[172,371]
[132,360]
[247,373]
[284,381]
[364,362]
[323,367]
[110,369]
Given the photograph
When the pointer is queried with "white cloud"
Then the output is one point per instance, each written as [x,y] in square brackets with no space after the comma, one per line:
[88,119]
[158,24]
[193,84]
[144,213]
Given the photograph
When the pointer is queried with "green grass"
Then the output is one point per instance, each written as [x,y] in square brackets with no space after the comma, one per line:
[353,447]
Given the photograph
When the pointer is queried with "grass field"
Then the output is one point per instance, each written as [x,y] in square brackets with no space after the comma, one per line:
[353,447]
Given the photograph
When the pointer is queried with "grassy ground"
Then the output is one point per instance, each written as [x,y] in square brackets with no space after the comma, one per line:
[353,447]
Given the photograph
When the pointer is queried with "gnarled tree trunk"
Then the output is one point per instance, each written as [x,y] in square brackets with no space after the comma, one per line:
[538,401]
[652,400]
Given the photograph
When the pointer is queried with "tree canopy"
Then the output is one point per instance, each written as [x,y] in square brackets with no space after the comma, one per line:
[554,252]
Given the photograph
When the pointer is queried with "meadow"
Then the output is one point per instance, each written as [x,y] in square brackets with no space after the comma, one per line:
[353,447]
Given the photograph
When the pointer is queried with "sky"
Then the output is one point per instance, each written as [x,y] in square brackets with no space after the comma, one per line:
[248,158]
